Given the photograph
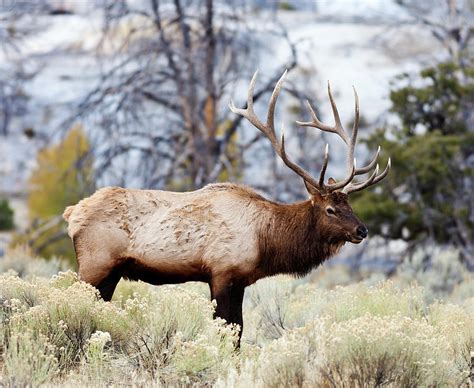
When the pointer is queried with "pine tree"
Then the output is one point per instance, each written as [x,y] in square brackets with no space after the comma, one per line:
[6,215]
[428,193]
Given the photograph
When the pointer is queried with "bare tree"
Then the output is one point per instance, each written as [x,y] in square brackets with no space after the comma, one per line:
[160,107]
[451,22]
[13,30]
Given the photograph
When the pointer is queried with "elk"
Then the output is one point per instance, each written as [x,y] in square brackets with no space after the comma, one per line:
[224,234]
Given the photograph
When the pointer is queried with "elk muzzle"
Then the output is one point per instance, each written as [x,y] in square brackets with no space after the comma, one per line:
[359,234]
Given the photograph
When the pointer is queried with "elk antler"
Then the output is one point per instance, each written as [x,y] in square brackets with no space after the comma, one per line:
[268,129]
[350,141]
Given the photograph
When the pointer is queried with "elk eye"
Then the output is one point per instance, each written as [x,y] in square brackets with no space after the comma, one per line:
[330,211]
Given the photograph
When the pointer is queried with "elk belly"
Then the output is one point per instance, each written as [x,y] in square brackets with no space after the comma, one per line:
[192,238]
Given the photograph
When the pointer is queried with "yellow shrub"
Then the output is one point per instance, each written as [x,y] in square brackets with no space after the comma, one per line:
[64,174]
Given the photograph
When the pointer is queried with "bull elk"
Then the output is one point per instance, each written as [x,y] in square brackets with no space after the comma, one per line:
[224,234]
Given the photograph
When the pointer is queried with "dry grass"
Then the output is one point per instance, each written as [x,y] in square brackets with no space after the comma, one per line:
[57,331]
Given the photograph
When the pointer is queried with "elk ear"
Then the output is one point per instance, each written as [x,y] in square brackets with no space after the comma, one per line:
[313,192]
[331,181]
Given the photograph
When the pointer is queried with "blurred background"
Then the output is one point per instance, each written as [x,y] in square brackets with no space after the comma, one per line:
[135,93]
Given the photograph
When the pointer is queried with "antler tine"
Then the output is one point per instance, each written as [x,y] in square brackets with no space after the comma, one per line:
[316,123]
[343,183]
[250,92]
[355,130]
[248,112]
[273,100]
[371,165]
[338,128]
[373,179]
[359,186]
[324,167]
[384,173]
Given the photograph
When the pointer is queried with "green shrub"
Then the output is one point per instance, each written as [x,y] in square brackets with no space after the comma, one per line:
[428,194]
[6,215]
[286,6]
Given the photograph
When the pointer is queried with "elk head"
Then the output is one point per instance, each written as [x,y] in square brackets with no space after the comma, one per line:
[329,198]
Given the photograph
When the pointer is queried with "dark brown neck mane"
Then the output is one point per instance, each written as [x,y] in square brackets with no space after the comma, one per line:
[294,240]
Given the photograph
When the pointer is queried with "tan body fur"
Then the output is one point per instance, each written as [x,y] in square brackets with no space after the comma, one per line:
[198,234]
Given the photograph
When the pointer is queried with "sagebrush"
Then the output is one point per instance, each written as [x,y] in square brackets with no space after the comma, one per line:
[57,331]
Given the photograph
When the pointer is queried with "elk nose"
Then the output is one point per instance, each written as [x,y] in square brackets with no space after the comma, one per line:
[362,231]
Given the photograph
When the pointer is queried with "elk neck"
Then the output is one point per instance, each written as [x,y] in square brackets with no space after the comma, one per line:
[294,239]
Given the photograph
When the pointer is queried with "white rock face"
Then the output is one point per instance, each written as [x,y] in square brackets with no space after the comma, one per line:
[332,39]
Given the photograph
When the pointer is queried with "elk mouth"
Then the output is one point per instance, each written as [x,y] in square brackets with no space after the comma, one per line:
[354,239]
